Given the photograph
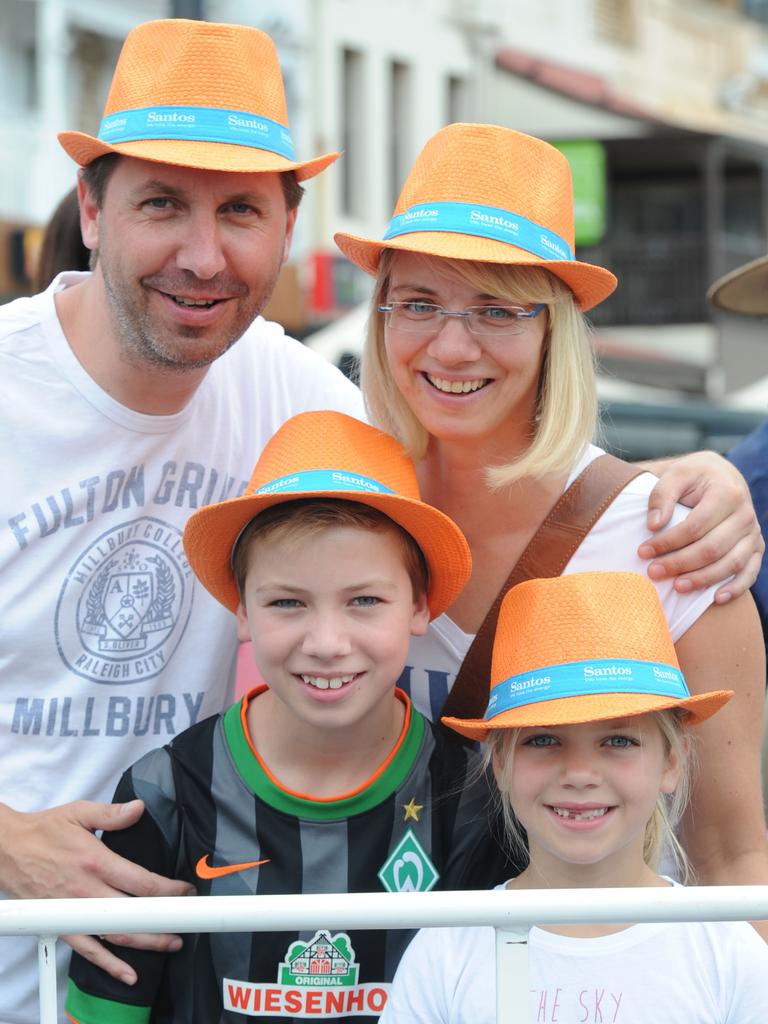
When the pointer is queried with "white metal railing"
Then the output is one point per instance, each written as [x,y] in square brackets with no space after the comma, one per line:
[510,913]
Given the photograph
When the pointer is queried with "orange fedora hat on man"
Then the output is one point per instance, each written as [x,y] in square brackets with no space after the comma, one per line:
[330,455]
[486,193]
[584,648]
[197,94]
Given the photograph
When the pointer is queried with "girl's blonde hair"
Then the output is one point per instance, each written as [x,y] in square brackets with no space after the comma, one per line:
[566,412]
[660,835]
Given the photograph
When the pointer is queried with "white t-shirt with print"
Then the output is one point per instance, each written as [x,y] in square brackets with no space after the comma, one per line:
[683,973]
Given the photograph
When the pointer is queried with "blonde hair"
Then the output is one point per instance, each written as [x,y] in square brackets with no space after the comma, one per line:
[660,835]
[566,413]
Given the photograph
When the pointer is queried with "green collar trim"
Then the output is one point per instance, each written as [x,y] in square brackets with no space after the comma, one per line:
[83,1008]
[254,774]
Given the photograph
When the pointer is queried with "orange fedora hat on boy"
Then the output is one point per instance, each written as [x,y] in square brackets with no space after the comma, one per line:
[485,193]
[583,648]
[197,94]
[330,455]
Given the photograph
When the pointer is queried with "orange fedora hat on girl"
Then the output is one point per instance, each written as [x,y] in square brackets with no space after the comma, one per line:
[197,94]
[583,648]
[330,455]
[485,193]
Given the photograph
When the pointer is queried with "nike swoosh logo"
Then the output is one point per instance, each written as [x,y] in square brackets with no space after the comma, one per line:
[205,870]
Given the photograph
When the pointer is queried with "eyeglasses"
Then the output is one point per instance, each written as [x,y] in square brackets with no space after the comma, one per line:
[427,317]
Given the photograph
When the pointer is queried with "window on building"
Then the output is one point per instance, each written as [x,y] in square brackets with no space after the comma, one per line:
[457,100]
[29,72]
[615,21]
[743,211]
[757,9]
[400,129]
[353,133]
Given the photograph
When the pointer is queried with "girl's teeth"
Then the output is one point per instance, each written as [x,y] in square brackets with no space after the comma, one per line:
[564,812]
[323,683]
[455,387]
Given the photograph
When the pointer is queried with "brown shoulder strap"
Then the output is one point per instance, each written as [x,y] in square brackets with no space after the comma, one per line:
[547,554]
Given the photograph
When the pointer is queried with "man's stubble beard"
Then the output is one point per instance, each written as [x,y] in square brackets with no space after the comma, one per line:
[145,344]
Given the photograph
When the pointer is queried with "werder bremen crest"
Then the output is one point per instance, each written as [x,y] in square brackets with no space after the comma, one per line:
[408,868]
[125,603]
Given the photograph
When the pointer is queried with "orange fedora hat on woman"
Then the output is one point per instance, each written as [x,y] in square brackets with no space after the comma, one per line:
[330,455]
[583,648]
[197,94]
[485,193]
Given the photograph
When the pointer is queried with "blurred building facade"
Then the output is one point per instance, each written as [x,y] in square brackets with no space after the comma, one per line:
[661,105]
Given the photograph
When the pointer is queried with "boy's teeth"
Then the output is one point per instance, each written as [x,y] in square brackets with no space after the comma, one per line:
[596,812]
[455,387]
[324,683]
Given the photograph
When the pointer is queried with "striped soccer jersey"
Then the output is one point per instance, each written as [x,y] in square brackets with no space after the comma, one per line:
[216,817]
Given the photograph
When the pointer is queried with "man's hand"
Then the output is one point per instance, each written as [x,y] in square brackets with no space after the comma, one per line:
[720,538]
[55,854]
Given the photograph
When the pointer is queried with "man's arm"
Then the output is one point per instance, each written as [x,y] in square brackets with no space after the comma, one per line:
[54,853]
[721,538]
[724,828]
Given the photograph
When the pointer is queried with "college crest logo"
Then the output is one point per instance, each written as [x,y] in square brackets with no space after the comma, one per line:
[317,979]
[125,603]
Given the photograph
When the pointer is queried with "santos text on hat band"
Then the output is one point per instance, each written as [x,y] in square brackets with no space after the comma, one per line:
[482,221]
[197,124]
[582,678]
[313,480]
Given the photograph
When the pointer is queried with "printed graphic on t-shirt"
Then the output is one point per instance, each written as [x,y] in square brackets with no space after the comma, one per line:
[125,599]
[125,603]
[594,1005]
[317,979]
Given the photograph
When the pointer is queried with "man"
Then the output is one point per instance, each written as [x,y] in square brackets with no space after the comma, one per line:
[133,396]
[137,394]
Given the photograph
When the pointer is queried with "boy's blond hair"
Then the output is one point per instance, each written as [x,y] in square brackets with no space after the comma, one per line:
[294,521]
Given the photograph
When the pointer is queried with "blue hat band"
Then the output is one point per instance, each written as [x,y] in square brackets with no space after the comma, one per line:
[197,124]
[484,222]
[311,480]
[587,678]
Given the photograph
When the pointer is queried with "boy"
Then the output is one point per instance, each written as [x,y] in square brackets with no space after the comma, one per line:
[326,780]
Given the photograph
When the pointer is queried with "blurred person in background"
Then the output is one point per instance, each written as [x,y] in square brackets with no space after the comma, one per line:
[62,246]
[745,291]
[478,359]
[134,395]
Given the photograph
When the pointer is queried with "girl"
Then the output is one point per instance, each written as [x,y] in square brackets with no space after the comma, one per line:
[478,358]
[587,731]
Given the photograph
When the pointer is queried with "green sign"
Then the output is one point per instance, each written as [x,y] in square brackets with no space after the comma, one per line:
[587,160]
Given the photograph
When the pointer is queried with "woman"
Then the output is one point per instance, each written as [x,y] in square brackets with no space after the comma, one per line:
[478,359]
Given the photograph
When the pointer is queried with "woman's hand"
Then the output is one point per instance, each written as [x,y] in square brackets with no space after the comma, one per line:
[721,538]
